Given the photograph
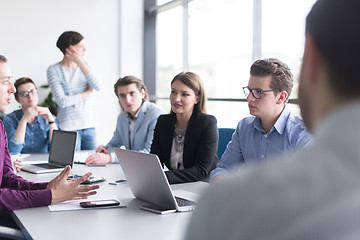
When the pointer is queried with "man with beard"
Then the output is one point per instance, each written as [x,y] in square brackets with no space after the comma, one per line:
[315,192]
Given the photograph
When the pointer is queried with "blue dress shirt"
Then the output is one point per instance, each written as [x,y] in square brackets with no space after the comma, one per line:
[142,132]
[37,138]
[251,144]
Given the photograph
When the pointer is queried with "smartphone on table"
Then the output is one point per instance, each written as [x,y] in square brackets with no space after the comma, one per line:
[99,203]
[91,180]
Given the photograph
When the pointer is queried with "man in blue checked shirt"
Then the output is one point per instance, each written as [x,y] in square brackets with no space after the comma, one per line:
[272,129]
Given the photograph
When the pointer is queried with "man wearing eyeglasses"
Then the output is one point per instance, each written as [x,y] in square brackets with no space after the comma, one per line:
[272,129]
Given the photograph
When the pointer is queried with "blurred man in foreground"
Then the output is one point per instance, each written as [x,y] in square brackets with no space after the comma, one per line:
[313,193]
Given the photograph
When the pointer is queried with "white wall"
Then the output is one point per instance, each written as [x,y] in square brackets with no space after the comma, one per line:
[132,37]
[29,31]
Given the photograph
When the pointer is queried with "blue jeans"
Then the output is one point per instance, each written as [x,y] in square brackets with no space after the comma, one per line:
[86,139]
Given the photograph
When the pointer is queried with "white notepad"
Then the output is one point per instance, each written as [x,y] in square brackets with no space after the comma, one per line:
[74,205]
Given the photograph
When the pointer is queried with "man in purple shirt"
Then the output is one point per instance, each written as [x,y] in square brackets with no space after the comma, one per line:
[17,193]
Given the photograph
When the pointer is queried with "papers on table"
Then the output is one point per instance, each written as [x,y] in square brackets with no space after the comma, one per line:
[25,155]
[75,205]
[81,156]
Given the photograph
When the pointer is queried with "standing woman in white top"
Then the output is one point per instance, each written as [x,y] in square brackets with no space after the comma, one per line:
[72,82]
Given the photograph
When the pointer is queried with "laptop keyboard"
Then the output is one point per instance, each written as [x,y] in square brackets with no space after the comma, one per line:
[46,165]
[183,202]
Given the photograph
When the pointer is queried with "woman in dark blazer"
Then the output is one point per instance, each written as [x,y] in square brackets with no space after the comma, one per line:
[186,140]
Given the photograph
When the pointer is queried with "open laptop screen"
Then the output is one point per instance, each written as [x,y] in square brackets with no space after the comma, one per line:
[62,147]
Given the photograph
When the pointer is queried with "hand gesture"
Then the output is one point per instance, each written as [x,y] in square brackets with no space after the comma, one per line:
[18,164]
[102,149]
[45,113]
[64,190]
[74,54]
[217,178]
[87,92]
[30,114]
[90,89]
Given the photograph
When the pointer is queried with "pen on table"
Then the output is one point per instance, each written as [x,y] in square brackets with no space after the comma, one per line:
[76,176]
[117,182]
[80,162]
[91,165]
[102,150]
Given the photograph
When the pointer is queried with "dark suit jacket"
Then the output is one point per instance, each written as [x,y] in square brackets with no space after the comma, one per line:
[200,146]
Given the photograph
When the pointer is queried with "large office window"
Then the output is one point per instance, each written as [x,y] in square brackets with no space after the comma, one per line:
[169,49]
[219,40]
[283,28]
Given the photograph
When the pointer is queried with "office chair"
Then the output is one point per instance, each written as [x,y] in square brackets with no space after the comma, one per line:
[225,135]
[11,233]
[9,228]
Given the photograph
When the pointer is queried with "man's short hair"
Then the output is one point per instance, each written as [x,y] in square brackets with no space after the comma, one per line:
[282,78]
[19,82]
[3,59]
[127,80]
[67,39]
[334,26]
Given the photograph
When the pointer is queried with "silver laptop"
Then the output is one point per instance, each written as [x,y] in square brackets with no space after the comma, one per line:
[148,182]
[61,153]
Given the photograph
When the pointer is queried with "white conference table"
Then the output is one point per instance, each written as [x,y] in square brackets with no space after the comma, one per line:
[112,223]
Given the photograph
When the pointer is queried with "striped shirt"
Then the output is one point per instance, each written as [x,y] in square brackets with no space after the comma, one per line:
[74,113]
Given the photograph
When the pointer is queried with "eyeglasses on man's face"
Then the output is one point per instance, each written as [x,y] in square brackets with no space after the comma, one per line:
[27,93]
[257,93]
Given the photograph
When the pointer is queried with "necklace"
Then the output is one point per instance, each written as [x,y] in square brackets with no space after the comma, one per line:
[179,135]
